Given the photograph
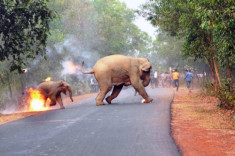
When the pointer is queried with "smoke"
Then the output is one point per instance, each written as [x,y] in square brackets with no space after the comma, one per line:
[75,53]
[9,109]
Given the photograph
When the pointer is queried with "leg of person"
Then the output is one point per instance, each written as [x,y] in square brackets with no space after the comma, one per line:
[177,85]
[188,84]
[192,84]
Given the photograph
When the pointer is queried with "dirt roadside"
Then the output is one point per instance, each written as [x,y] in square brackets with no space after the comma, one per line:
[199,127]
[4,118]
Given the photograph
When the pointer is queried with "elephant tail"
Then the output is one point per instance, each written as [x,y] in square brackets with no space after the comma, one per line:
[90,72]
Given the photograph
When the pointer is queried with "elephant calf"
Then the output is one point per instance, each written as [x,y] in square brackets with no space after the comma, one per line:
[53,89]
[119,70]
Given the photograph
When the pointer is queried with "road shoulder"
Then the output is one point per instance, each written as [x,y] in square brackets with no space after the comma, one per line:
[199,127]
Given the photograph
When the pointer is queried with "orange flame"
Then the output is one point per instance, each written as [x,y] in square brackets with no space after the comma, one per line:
[73,68]
[48,79]
[70,68]
[36,100]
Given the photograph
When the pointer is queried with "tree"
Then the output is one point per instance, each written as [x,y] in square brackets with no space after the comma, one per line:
[24,27]
[207,28]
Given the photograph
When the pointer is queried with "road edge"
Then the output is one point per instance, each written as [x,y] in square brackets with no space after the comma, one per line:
[171,129]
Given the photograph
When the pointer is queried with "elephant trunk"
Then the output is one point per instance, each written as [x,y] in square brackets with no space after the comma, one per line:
[146,81]
[70,93]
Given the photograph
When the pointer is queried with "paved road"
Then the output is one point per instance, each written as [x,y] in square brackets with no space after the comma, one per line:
[125,128]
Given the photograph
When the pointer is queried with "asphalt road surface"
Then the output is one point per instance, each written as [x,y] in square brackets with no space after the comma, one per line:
[124,128]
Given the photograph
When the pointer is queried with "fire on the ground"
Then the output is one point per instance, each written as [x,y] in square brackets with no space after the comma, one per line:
[36,100]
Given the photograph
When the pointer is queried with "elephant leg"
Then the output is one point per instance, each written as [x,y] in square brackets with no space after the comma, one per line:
[137,84]
[100,97]
[52,101]
[115,93]
[45,99]
[60,102]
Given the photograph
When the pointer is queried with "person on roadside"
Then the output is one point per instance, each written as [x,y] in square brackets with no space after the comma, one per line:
[92,84]
[152,79]
[155,79]
[162,79]
[167,79]
[175,77]
[188,77]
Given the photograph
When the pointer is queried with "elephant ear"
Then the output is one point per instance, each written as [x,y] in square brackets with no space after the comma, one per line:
[145,67]
[62,86]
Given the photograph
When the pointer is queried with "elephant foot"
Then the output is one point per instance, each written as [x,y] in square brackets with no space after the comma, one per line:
[149,100]
[100,104]
[108,99]
[52,104]
[62,107]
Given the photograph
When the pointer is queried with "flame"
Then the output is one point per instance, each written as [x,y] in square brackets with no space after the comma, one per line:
[48,79]
[70,68]
[143,101]
[74,68]
[36,100]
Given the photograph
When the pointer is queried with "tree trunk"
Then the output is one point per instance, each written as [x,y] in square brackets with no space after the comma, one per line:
[2,79]
[22,82]
[213,59]
[212,71]
[215,66]
[9,85]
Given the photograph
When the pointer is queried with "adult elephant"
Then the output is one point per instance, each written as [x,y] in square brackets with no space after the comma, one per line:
[119,70]
[53,89]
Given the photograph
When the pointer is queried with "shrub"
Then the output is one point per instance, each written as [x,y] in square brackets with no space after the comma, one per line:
[207,88]
[226,95]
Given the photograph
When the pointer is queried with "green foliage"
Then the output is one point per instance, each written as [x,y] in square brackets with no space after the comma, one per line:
[204,25]
[207,88]
[166,52]
[207,29]
[103,27]
[24,27]
[226,95]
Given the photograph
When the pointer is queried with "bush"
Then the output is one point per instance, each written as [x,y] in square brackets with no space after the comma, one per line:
[207,88]
[226,95]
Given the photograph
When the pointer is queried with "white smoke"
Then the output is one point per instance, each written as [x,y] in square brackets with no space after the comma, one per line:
[10,108]
[75,54]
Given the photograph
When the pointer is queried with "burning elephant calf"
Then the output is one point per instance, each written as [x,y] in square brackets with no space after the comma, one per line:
[119,70]
[48,91]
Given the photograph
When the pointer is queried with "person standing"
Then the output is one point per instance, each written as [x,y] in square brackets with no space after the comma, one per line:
[152,79]
[175,77]
[188,77]
[155,79]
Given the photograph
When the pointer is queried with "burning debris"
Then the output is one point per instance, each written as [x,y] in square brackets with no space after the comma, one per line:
[70,68]
[47,79]
[143,101]
[36,100]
